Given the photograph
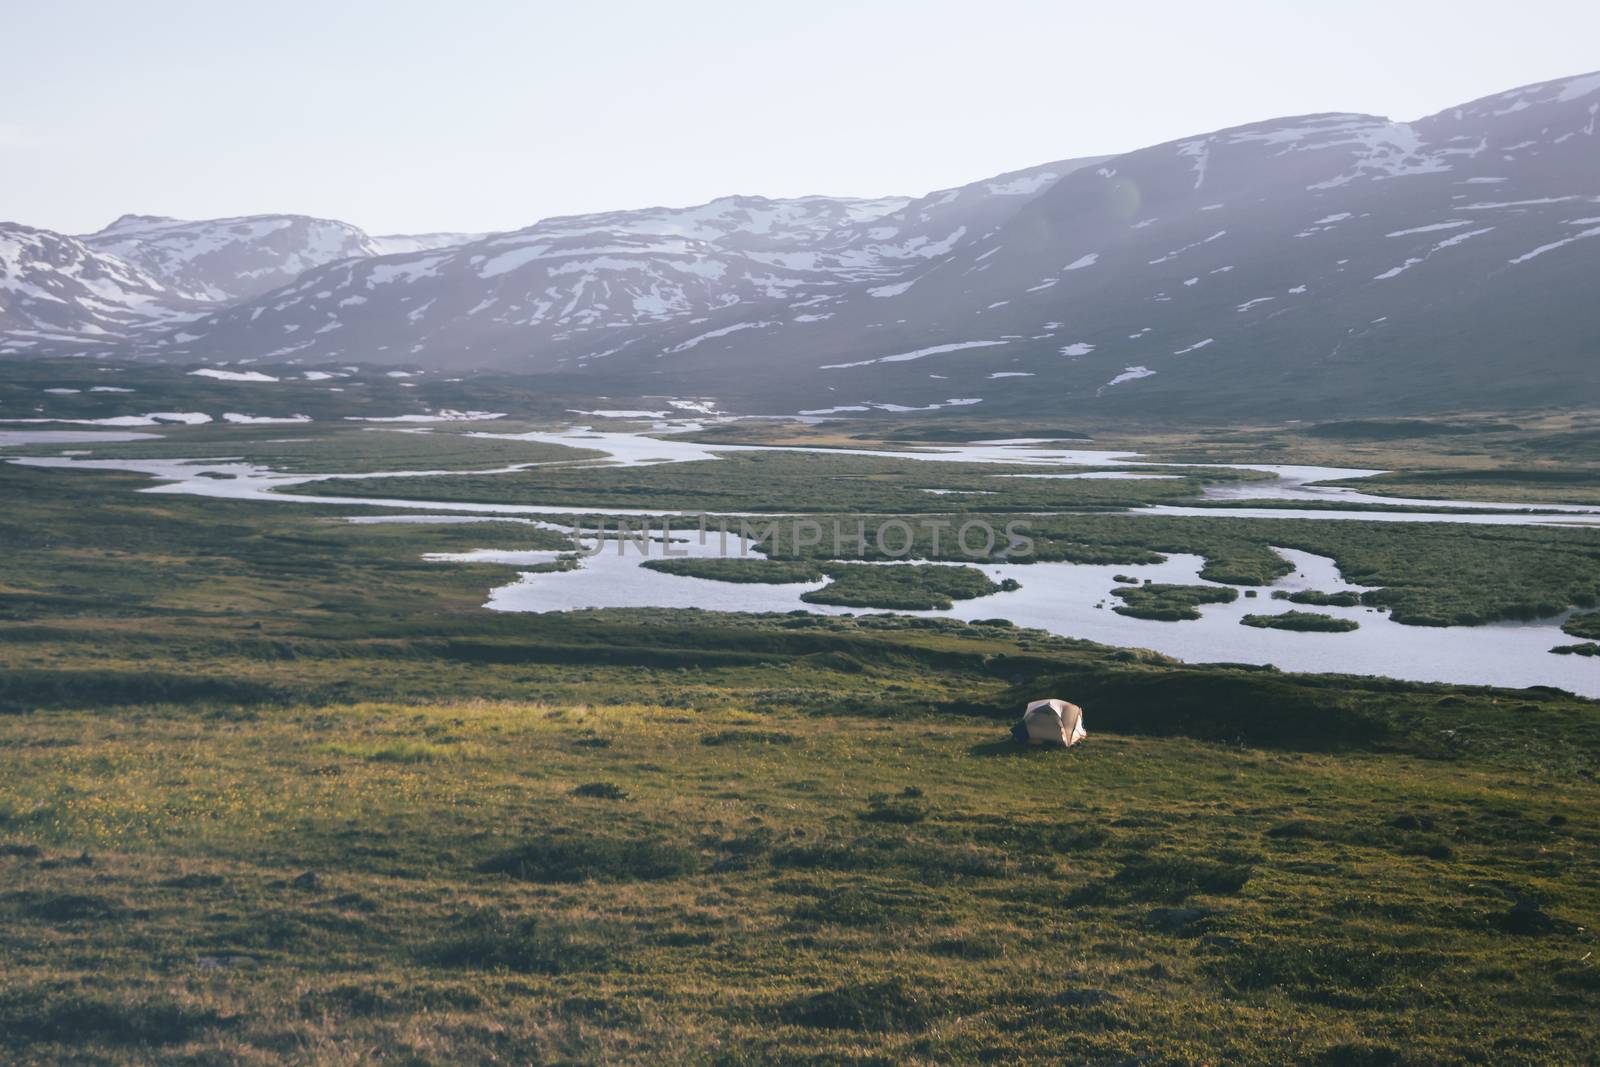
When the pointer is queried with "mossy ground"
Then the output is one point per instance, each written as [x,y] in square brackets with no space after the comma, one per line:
[193,886]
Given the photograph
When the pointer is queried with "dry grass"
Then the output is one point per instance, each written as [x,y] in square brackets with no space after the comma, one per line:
[260,889]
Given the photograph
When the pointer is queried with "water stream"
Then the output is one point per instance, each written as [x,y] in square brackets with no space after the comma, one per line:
[1067,599]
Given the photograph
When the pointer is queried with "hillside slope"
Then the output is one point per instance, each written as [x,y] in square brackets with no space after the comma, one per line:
[1330,264]
[570,291]
[1340,261]
[58,294]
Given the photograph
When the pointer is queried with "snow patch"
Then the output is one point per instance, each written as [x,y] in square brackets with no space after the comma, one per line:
[261,420]
[232,375]
[1578,88]
[1024,186]
[1553,245]
[1453,224]
[1128,375]
[447,415]
[713,334]
[874,405]
[1200,152]
[920,353]
[154,418]
[1448,242]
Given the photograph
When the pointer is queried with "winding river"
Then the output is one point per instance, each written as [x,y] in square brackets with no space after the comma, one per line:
[1071,600]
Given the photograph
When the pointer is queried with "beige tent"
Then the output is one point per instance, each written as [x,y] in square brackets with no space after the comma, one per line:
[1053,722]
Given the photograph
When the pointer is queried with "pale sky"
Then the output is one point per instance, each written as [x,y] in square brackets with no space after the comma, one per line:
[418,115]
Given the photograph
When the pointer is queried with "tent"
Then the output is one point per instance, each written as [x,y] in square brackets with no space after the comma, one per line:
[1051,722]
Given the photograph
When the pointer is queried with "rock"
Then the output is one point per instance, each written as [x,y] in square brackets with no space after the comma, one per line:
[308,880]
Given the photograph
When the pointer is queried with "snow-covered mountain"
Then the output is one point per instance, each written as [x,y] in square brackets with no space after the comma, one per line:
[143,273]
[399,243]
[570,291]
[231,259]
[1309,265]
[1326,262]
[59,294]
[740,222]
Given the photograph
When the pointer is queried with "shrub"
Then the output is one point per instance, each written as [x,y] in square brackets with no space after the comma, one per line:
[883,1005]
[68,1016]
[64,907]
[1323,972]
[1167,880]
[750,737]
[1346,598]
[490,940]
[1044,840]
[857,855]
[600,790]
[1585,625]
[862,908]
[903,810]
[603,859]
[907,587]
[747,571]
[1170,603]
[1306,621]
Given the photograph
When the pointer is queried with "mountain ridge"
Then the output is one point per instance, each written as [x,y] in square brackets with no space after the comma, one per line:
[1335,259]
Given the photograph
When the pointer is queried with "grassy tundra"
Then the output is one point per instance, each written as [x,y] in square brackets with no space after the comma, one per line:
[274,789]
[473,882]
